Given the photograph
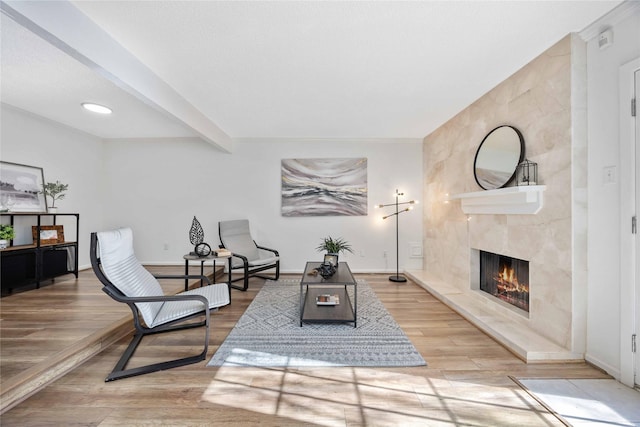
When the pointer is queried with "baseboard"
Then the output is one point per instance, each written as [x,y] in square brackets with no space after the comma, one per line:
[282,271]
[611,370]
[353,270]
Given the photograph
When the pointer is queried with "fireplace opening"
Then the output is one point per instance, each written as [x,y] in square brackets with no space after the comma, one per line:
[505,278]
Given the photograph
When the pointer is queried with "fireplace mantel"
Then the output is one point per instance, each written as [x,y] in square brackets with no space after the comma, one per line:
[510,200]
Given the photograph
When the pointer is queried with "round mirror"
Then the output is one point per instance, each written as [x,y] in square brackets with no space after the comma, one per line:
[498,157]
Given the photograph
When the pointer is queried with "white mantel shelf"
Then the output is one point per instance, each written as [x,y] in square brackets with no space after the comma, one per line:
[510,200]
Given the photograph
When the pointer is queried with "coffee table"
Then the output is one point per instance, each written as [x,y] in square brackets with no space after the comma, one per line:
[313,285]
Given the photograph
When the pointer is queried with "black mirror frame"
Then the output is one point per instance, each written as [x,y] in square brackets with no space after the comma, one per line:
[515,169]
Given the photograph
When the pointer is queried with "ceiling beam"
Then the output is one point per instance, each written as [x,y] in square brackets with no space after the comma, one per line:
[67,28]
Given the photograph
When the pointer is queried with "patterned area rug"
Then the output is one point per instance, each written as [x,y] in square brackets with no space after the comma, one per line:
[269,334]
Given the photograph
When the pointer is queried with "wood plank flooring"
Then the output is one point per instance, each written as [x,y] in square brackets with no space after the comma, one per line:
[467,380]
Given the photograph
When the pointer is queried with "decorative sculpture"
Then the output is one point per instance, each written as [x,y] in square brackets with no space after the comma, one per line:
[196,234]
[326,269]
[196,237]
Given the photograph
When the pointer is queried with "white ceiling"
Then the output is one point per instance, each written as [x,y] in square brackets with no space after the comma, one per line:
[297,69]
[41,79]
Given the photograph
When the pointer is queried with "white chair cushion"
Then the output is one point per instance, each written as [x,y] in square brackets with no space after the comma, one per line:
[235,236]
[121,267]
[263,261]
[217,295]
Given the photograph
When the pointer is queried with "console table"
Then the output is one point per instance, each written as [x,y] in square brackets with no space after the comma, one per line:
[28,264]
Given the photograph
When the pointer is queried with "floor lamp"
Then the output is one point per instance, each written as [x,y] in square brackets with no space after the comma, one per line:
[398,277]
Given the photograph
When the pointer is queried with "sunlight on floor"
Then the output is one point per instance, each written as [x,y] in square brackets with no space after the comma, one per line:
[588,402]
[242,357]
[341,395]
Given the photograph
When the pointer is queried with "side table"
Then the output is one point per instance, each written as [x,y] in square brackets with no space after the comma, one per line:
[189,257]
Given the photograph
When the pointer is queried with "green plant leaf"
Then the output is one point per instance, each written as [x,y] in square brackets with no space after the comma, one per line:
[331,245]
[6,232]
[55,190]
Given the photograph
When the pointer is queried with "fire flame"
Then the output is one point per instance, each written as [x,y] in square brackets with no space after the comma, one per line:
[508,282]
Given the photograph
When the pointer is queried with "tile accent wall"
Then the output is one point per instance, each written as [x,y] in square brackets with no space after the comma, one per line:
[538,101]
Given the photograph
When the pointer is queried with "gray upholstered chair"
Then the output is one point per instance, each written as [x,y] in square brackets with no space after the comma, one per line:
[246,255]
[126,280]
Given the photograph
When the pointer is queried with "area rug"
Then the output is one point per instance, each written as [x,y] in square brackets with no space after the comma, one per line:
[269,334]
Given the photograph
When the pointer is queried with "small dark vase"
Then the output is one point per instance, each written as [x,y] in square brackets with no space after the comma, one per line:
[326,269]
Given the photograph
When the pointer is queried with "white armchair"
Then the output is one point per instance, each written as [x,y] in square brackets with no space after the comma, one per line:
[126,280]
[246,254]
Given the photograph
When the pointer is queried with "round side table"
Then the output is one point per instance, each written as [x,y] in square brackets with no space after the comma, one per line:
[189,258]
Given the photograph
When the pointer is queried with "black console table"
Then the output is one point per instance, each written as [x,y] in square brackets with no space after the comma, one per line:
[29,264]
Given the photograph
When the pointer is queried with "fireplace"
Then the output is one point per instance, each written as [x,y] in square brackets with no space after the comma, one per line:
[505,278]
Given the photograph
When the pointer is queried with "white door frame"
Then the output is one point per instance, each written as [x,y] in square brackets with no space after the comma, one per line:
[629,292]
[636,367]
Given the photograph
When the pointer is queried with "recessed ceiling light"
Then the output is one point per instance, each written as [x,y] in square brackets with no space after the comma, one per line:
[96,108]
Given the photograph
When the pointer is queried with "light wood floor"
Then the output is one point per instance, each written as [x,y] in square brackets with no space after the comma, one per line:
[467,380]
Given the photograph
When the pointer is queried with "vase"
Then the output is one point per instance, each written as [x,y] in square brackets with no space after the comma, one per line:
[52,210]
[4,243]
[332,258]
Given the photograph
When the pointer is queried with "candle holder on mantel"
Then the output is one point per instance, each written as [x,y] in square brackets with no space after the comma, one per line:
[527,173]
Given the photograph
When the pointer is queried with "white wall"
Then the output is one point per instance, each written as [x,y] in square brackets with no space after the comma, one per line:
[156,187]
[67,155]
[603,318]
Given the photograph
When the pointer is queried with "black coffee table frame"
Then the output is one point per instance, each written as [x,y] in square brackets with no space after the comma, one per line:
[311,286]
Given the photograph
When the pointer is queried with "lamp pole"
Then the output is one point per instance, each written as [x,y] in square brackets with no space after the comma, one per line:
[397,277]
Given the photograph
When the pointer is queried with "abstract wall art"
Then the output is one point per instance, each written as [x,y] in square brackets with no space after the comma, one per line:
[324,187]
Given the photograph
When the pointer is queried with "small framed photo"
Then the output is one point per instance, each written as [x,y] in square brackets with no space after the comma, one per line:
[22,188]
[49,234]
[332,258]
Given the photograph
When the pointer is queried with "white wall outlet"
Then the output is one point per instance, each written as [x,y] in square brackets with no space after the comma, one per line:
[166,246]
[415,250]
[609,175]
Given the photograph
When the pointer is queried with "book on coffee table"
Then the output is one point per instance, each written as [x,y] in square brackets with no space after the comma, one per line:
[328,299]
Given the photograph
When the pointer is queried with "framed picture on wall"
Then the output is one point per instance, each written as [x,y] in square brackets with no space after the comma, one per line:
[21,188]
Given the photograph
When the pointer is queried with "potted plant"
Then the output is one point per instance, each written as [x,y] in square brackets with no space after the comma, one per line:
[334,246]
[6,233]
[55,190]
